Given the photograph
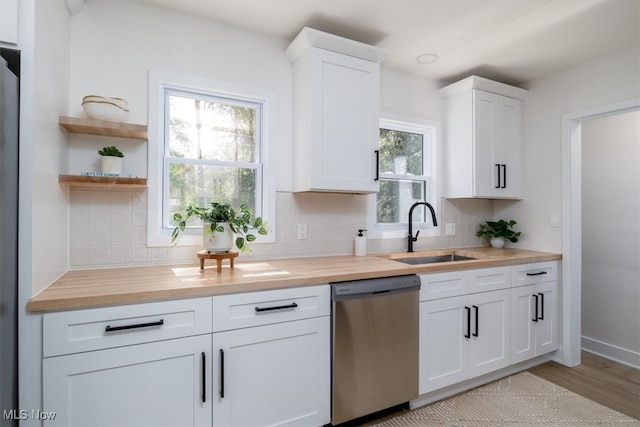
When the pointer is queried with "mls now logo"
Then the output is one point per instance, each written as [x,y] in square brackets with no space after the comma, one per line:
[23,414]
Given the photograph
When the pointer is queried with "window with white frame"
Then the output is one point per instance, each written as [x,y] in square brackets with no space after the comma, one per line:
[212,151]
[407,170]
[210,146]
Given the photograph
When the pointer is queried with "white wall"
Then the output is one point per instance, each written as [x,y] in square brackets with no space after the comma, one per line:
[109,228]
[114,44]
[605,81]
[46,145]
[611,236]
[43,222]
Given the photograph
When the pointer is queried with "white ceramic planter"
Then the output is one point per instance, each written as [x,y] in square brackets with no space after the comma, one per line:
[498,242]
[112,165]
[218,241]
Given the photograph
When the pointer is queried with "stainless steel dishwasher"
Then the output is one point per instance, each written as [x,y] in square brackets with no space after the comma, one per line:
[374,345]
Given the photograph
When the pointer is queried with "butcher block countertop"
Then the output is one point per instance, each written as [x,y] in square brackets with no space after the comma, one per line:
[93,288]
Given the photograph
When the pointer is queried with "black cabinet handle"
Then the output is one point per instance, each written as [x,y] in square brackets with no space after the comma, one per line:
[134,326]
[377,165]
[468,334]
[221,374]
[278,307]
[477,310]
[504,176]
[541,306]
[203,358]
[498,168]
[535,318]
[541,273]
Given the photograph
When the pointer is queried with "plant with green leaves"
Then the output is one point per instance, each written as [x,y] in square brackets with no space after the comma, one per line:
[241,222]
[111,152]
[500,228]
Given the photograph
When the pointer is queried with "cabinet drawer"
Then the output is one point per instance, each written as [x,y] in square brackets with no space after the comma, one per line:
[98,328]
[528,274]
[489,279]
[443,285]
[236,311]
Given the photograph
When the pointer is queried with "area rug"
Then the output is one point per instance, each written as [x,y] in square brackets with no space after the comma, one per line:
[520,400]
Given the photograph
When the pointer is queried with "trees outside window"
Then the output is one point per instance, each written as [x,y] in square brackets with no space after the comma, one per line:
[406,158]
[212,152]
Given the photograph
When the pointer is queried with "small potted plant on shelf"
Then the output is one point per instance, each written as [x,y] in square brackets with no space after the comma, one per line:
[220,223]
[111,160]
[498,232]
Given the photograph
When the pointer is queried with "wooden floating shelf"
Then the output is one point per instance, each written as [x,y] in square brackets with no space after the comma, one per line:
[102,181]
[103,127]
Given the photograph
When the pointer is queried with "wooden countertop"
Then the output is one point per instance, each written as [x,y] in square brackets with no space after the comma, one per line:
[91,288]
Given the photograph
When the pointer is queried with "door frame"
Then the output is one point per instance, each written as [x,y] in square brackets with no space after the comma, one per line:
[572,218]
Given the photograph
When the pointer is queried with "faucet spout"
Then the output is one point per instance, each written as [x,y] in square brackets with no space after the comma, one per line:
[411,238]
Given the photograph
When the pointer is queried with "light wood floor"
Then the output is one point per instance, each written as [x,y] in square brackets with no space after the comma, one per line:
[604,381]
[601,380]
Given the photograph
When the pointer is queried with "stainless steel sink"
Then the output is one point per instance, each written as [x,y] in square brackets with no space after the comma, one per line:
[433,259]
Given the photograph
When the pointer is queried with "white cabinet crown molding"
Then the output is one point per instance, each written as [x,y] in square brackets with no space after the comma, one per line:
[309,37]
[480,83]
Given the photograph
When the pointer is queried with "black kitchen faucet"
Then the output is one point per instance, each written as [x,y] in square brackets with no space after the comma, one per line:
[410,237]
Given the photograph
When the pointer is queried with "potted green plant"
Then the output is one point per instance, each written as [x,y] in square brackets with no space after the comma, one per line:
[220,223]
[111,160]
[498,232]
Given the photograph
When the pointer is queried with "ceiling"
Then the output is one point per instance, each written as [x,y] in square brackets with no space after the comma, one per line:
[513,41]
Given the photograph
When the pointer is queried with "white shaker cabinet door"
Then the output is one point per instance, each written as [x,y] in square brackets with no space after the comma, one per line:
[490,340]
[534,320]
[463,337]
[482,139]
[444,355]
[275,375]
[157,384]
[497,145]
[344,104]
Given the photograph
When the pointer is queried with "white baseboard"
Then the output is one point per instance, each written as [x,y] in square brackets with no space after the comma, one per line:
[610,351]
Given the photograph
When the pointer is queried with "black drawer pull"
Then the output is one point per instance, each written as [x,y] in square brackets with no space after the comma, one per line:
[221,374]
[134,326]
[468,334]
[203,358]
[277,307]
[504,176]
[477,310]
[541,273]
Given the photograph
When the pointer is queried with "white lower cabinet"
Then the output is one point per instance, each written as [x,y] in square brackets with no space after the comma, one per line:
[534,329]
[272,358]
[463,337]
[161,383]
[132,365]
[275,375]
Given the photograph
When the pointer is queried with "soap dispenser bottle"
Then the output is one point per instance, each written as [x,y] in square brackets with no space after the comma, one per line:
[361,244]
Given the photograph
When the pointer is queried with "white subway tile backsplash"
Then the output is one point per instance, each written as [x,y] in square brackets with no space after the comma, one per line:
[98,236]
[98,256]
[109,228]
[79,237]
[120,255]
[120,236]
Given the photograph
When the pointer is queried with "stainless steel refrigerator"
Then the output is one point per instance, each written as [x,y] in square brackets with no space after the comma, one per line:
[9,120]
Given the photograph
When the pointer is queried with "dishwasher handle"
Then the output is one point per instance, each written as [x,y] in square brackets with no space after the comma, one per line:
[371,288]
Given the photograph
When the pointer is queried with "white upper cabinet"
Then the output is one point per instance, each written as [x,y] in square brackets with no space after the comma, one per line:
[9,22]
[483,139]
[336,91]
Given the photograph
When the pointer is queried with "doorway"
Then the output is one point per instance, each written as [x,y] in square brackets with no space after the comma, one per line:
[572,216]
